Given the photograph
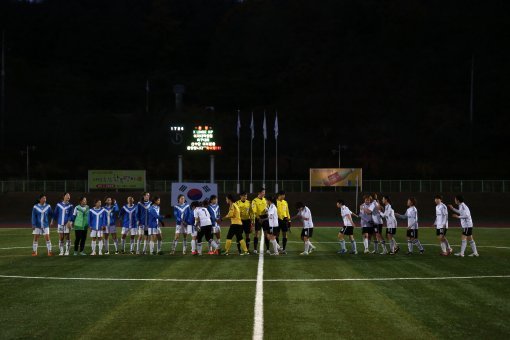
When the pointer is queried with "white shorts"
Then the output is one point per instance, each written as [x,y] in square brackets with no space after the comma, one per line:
[111,230]
[96,233]
[216,229]
[41,231]
[131,231]
[180,229]
[154,231]
[62,229]
[141,230]
[191,231]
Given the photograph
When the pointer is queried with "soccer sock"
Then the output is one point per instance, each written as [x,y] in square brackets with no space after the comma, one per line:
[93,245]
[61,246]
[238,246]
[48,246]
[116,244]
[266,241]
[151,246]
[123,244]
[365,243]
[255,242]
[159,245]
[244,247]
[68,245]
[463,245]
[306,247]
[218,243]
[144,245]
[342,244]
[275,246]
[34,247]
[247,242]
[418,244]
[473,246]
[376,246]
[210,246]
[443,247]
[100,246]
[184,245]
[138,245]
[174,245]
[215,245]
[353,245]
[284,243]
[278,240]
[310,244]
[193,245]
[131,245]
[107,245]
[199,247]
[227,245]
[447,244]
[392,245]
[383,244]
[410,246]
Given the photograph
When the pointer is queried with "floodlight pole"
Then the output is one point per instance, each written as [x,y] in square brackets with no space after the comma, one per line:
[179,162]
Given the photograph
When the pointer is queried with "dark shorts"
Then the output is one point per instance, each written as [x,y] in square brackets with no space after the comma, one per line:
[146,232]
[391,231]
[367,230]
[284,225]
[467,231]
[348,230]
[273,230]
[246,226]
[235,230]
[308,232]
[412,233]
[204,231]
[441,231]
[259,224]
[378,228]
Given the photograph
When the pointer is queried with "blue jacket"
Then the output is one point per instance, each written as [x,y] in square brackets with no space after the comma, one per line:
[97,218]
[112,211]
[63,213]
[41,216]
[214,211]
[129,216]
[154,216]
[179,213]
[143,212]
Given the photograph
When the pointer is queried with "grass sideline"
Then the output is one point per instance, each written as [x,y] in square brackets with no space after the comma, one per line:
[324,295]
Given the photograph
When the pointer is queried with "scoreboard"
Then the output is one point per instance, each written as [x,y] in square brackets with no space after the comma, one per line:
[201,139]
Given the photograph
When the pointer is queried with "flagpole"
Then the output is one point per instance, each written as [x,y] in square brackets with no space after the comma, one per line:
[238,148]
[251,154]
[276,158]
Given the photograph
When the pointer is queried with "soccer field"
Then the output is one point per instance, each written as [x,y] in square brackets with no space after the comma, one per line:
[324,295]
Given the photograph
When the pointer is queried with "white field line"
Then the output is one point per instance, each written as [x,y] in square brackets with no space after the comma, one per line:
[261,320]
[258,311]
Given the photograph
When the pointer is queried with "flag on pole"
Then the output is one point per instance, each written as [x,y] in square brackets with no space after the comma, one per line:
[276,126]
[238,123]
[252,127]
[264,128]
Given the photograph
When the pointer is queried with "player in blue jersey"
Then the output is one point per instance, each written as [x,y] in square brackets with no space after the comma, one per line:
[63,214]
[153,226]
[128,216]
[41,217]
[112,211]
[180,223]
[214,210]
[143,221]
[97,225]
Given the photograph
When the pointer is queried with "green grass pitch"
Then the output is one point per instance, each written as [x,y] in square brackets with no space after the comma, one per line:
[304,297]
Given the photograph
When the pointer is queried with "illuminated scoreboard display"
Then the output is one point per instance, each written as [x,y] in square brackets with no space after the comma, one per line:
[203,139]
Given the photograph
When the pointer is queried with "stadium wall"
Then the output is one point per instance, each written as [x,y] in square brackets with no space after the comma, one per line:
[488,209]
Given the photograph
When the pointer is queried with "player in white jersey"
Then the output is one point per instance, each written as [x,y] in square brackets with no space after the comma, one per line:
[305,215]
[367,223]
[273,231]
[375,209]
[128,219]
[180,224]
[347,229]
[441,224]
[411,216]
[388,213]
[63,216]
[464,215]
[203,224]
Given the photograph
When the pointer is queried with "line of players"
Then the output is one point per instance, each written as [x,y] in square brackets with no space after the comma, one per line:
[268,216]
[372,212]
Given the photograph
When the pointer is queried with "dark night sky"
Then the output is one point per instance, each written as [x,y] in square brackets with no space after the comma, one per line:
[388,79]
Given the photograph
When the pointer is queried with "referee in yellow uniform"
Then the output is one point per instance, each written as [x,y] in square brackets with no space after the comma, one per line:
[236,226]
[245,207]
[259,218]
[282,207]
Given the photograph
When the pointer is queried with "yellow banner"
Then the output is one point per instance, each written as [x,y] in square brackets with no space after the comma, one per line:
[116,179]
[335,177]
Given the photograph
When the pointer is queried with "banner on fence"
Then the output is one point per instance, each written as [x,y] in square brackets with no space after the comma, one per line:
[116,179]
[335,177]
[193,191]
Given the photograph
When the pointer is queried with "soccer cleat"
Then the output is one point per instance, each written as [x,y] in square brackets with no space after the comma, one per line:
[184,252]
[160,252]
[137,253]
[93,253]
[450,251]
[352,252]
[255,251]
[410,253]
[311,250]
[366,251]
[172,252]
[217,252]
[34,253]
[391,253]
[304,253]
[422,251]
[116,252]
[341,251]
[474,255]
[210,252]
[75,253]
[268,252]
[397,248]
[444,254]
[83,253]
[194,253]
[106,253]
[61,253]
[283,251]
[132,252]
[100,254]
[50,253]
[372,252]
[459,254]
[66,253]
[273,254]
